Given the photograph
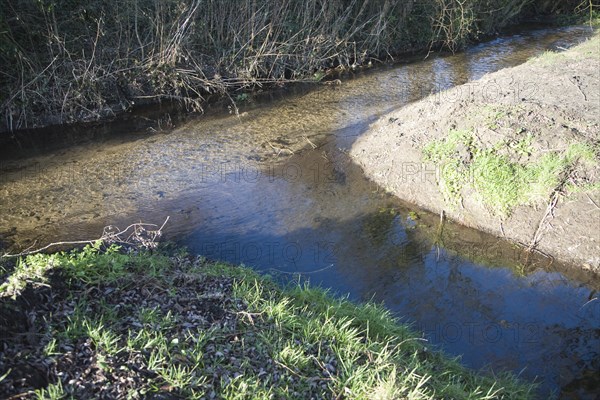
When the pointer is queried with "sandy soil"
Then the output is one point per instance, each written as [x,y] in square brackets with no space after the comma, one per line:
[554,100]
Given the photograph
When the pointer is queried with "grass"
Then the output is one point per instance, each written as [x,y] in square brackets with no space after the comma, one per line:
[254,339]
[52,392]
[582,51]
[492,172]
[453,171]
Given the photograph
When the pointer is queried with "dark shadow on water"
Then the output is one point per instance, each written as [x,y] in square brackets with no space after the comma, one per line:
[470,293]
[541,324]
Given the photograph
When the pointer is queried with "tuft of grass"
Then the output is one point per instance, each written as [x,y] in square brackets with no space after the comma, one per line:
[51,392]
[494,115]
[452,171]
[501,183]
[498,181]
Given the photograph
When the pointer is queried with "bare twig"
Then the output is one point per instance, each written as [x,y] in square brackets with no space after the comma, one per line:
[280,149]
[137,235]
[314,146]
[592,201]
[545,219]
[575,82]
[279,271]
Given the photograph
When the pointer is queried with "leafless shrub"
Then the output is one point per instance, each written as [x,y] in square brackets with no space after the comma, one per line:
[74,61]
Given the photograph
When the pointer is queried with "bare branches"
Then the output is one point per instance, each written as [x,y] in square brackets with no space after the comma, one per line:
[95,61]
[136,235]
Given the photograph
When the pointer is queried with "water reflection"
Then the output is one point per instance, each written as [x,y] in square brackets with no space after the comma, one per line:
[315,216]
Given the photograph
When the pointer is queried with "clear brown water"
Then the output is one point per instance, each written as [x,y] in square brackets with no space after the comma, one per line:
[235,191]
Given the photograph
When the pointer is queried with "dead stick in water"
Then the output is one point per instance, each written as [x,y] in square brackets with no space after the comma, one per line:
[438,238]
[441,225]
[314,146]
[280,149]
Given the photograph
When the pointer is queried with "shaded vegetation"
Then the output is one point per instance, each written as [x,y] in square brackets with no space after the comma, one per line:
[111,324]
[74,60]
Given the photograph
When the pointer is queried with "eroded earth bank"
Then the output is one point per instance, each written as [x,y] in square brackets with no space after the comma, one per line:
[514,153]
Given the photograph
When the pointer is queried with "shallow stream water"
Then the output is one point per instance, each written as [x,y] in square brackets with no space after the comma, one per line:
[273,188]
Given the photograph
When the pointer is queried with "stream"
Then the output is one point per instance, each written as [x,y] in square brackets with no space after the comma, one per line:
[273,188]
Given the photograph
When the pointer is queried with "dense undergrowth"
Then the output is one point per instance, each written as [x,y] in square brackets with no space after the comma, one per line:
[77,60]
[107,323]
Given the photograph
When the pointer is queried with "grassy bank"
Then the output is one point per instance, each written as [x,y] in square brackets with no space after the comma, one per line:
[515,168]
[83,60]
[113,324]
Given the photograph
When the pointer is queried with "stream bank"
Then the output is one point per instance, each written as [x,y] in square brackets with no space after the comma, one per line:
[171,325]
[514,153]
[93,60]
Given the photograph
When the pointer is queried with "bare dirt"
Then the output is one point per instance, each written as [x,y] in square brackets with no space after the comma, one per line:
[554,100]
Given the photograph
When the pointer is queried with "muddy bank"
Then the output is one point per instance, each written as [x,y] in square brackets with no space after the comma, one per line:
[514,154]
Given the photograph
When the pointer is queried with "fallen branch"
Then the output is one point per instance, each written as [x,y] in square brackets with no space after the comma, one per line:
[135,235]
